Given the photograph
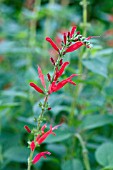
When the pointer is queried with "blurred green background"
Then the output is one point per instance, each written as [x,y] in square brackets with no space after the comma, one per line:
[85,110]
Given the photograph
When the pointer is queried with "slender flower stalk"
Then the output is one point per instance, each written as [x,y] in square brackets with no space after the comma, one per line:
[71,42]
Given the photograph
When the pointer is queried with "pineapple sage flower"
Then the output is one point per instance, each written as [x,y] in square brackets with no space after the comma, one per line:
[40,139]
[71,41]
[54,86]
[39,155]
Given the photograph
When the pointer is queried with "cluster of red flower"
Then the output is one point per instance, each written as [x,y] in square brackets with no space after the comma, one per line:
[71,42]
[39,139]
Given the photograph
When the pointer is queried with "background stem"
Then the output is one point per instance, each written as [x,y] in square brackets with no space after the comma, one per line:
[84,152]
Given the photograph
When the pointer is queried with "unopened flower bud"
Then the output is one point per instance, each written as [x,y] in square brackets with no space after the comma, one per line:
[49,108]
[61,62]
[27,129]
[49,77]
[52,61]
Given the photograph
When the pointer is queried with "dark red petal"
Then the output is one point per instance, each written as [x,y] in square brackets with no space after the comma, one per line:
[74,47]
[27,129]
[41,76]
[52,43]
[36,88]
[72,31]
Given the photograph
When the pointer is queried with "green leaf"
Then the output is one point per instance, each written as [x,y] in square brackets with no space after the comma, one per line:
[60,136]
[14,93]
[104,155]
[74,164]
[95,121]
[17,154]
[13,104]
[57,149]
[96,65]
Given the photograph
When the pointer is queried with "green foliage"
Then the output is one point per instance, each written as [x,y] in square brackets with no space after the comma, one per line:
[86,109]
[104,155]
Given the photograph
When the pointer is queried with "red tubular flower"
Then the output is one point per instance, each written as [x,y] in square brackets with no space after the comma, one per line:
[43,127]
[32,146]
[55,87]
[60,72]
[45,135]
[36,88]
[74,47]
[27,129]
[39,155]
[52,43]
[41,76]
[72,31]
[65,38]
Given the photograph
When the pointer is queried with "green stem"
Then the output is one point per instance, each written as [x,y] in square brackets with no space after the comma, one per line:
[30,160]
[84,151]
[85,17]
[84,3]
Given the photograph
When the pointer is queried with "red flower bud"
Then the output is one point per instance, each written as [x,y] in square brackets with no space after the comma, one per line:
[52,61]
[61,62]
[72,31]
[49,77]
[49,108]
[27,129]
[68,34]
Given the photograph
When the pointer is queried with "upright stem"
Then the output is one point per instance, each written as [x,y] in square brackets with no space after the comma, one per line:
[84,17]
[84,151]
[84,24]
